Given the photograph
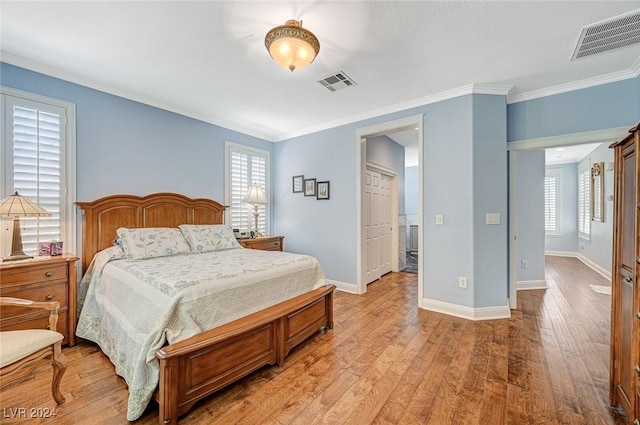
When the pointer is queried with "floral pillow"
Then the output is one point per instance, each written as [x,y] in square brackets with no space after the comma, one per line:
[214,237]
[151,242]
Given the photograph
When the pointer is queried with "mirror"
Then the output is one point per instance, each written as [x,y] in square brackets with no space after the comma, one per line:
[597,192]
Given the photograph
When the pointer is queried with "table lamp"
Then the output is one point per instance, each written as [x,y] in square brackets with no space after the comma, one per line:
[255,195]
[16,206]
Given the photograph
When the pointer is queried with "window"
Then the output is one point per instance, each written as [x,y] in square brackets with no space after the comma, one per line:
[246,166]
[584,203]
[552,201]
[38,159]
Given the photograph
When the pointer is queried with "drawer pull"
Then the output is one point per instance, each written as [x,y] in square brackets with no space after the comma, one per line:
[636,368]
[48,274]
[50,297]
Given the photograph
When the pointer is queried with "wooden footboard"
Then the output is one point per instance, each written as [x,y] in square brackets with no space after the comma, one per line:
[195,368]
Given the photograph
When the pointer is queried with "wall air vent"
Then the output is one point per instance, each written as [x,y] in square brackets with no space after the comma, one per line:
[337,81]
[611,34]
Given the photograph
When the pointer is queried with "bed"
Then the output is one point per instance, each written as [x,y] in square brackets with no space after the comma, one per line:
[201,360]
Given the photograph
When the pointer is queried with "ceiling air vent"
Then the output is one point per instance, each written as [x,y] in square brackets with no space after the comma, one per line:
[335,82]
[612,34]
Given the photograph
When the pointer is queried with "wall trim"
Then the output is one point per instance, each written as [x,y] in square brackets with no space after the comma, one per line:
[613,77]
[343,286]
[595,267]
[525,285]
[597,136]
[469,313]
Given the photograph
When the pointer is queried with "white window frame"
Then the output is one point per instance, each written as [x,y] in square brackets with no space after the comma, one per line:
[584,203]
[68,174]
[555,173]
[229,147]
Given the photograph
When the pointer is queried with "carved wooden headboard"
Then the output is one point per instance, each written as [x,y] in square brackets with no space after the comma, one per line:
[101,218]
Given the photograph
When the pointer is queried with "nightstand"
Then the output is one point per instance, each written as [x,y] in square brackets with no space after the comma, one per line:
[265,243]
[46,279]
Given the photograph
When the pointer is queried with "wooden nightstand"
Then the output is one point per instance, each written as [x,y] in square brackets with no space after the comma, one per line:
[50,279]
[265,243]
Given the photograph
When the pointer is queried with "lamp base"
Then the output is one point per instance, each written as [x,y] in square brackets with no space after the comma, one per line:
[16,257]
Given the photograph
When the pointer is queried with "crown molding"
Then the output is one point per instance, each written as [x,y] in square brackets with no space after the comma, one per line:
[51,71]
[438,97]
[613,77]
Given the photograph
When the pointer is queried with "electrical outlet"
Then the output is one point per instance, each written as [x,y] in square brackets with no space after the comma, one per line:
[525,264]
[462,282]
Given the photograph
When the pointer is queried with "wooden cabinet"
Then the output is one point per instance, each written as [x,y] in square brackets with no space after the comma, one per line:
[51,279]
[625,296]
[265,243]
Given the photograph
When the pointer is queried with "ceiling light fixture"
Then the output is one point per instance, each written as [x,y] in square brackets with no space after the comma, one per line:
[291,46]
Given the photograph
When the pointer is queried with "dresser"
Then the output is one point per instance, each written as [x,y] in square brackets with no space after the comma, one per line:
[265,243]
[49,279]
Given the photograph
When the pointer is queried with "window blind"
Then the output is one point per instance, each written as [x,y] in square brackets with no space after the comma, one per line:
[245,167]
[35,159]
[584,210]
[551,204]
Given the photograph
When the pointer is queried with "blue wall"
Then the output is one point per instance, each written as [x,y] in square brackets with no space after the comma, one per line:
[530,172]
[595,108]
[125,146]
[411,188]
[600,245]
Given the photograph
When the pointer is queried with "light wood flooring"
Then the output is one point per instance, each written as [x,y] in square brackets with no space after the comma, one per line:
[387,362]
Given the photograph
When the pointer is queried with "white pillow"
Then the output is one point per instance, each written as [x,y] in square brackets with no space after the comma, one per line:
[152,242]
[209,237]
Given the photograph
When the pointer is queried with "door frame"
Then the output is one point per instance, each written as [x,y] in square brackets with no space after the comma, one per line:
[415,121]
[597,136]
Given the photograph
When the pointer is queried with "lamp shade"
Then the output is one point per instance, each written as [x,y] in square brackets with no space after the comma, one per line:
[255,195]
[291,46]
[20,206]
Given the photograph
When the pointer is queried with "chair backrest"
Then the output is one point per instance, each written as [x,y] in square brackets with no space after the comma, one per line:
[51,306]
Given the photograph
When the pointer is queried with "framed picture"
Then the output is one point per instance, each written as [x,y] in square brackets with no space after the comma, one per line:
[298,184]
[323,190]
[309,187]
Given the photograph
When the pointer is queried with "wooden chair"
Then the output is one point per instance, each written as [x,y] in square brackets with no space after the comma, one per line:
[22,352]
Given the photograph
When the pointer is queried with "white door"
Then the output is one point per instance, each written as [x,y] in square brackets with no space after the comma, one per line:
[377,221]
[385,224]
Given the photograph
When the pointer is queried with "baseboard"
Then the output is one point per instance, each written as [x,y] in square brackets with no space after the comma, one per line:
[597,268]
[344,287]
[562,254]
[483,313]
[523,285]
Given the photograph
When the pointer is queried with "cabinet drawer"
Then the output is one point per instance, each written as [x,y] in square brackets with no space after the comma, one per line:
[52,292]
[265,245]
[31,322]
[34,274]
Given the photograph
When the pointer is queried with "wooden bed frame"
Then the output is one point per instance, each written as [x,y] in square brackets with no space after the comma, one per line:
[198,366]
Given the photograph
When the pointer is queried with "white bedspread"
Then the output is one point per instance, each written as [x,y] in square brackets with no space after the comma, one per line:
[133,307]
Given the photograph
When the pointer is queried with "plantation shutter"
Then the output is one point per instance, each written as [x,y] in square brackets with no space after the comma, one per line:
[246,166]
[34,162]
[584,211]
[551,204]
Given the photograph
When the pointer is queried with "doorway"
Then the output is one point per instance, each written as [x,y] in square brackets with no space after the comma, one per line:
[416,124]
[516,151]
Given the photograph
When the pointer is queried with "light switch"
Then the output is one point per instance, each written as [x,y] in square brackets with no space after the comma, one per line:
[439,219]
[493,218]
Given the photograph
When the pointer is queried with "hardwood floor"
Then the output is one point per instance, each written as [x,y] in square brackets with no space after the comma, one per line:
[387,362]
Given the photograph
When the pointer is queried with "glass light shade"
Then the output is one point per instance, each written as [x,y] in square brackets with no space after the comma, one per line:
[291,46]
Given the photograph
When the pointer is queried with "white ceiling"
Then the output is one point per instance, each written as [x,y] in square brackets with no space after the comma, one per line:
[207,59]
[568,154]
